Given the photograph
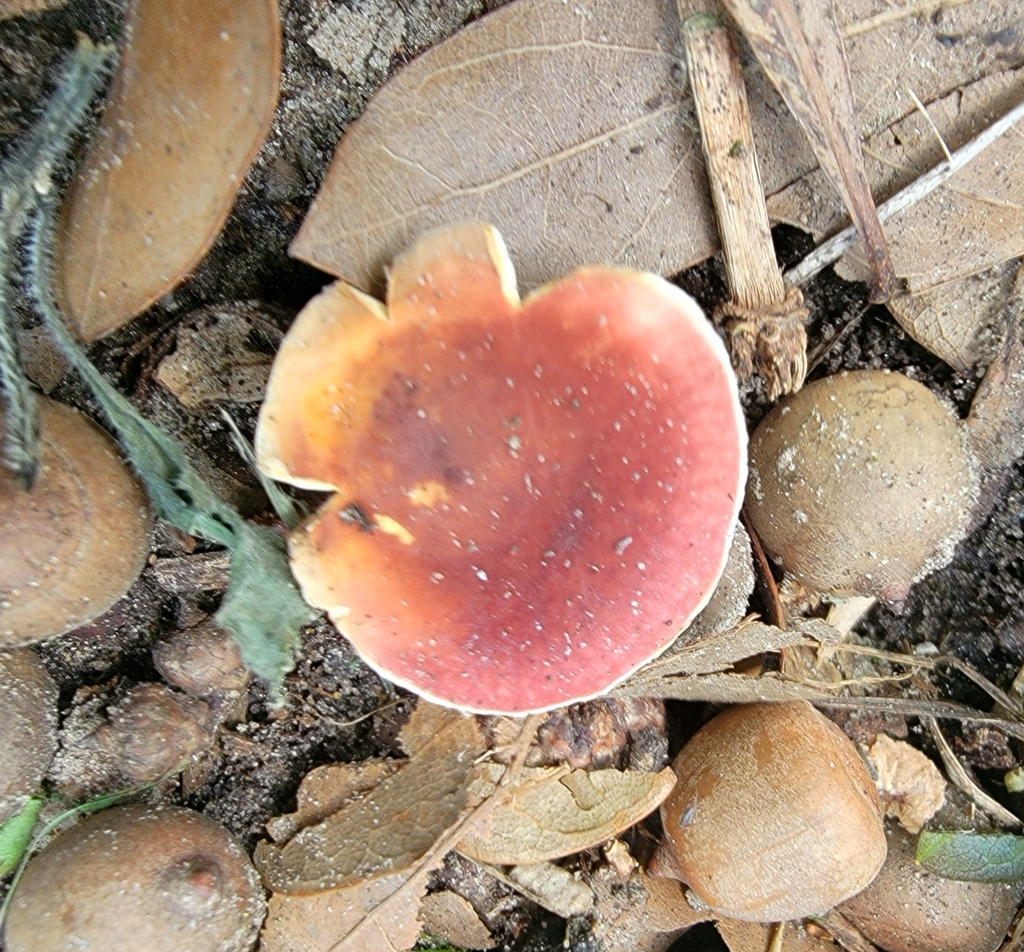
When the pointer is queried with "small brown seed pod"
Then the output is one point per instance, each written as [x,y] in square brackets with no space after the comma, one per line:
[862,482]
[77,540]
[774,815]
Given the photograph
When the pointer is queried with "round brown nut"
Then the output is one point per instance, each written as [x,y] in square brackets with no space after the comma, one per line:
[77,540]
[162,879]
[862,482]
[774,815]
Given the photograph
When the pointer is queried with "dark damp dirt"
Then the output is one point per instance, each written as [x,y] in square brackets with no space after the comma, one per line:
[335,708]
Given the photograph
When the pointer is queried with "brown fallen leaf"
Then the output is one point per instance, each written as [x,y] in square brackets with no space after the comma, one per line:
[555,811]
[343,920]
[582,146]
[325,790]
[189,107]
[568,140]
[378,914]
[798,44]
[391,827]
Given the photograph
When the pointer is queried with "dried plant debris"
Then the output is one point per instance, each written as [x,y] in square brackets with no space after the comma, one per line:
[448,916]
[392,826]
[347,919]
[223,353]
[190,105]
[799,46]
[909,784]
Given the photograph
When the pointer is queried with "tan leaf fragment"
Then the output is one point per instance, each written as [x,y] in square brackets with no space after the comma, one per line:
[909,784]
[224,352]
[343,920]
[390,828]
[325,790]
[554,888]
[720,652]
[189,107]
[556,811]
[959,321]
[446,915]
[642,915]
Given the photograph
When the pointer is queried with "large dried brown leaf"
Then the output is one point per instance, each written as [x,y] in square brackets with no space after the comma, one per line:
[556,812]
[393,826]
[570,128]
[798,44]
[190,105]
[561,123]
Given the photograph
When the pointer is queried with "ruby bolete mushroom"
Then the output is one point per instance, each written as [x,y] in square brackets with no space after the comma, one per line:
[76,541]
[530,499]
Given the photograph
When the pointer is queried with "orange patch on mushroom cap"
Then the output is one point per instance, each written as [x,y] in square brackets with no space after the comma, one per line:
[530,500]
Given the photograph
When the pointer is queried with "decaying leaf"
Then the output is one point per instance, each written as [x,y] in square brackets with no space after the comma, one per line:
[799,46]
[347,919]
[325,790]
[553,887]
[446,915]
[556,811]
[392,826]
[224,352]
[582,150]
[190,105]
[909,784]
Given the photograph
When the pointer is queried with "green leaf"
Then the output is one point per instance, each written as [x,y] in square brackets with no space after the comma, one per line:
[974,857]
[15,834]
[262,607]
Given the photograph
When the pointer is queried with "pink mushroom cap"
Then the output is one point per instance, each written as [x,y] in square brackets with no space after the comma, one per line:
[530,500]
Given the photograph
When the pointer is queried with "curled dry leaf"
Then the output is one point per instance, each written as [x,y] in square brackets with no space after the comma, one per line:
[389,828]
[909,784]
[555,812]
[190,105]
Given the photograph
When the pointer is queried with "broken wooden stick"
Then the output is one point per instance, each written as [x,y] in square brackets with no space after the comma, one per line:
[764,322]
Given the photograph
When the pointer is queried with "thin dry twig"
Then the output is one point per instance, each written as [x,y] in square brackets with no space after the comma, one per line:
[959,775]
[895,14]
[764,322]
[833,249]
